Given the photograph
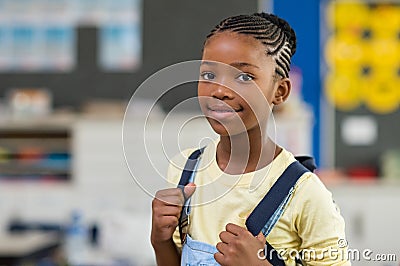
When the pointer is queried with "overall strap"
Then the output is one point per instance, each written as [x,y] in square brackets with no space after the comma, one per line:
[264,210]
[271,202]
[187,176]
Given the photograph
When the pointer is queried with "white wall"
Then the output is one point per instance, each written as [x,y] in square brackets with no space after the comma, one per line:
[105,191]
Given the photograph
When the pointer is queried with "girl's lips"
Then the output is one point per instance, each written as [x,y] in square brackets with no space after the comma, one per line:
[223,108]
[221,112]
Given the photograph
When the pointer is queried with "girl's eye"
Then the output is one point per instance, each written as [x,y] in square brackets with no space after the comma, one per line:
[245,77]
[207,76]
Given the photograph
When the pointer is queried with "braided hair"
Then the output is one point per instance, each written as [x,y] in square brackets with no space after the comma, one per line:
[272,31]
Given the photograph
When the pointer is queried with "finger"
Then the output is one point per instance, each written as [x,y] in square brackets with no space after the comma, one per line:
[219,257]
[261,237]
[168,210]
[168,221]
[222,247]
[226,237]
[189,189]
[234,229]
[168,192]
[172,200]
[172,196]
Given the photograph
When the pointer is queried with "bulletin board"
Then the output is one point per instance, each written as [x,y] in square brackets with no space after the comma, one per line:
[39,36]
[361,77]
[170,32]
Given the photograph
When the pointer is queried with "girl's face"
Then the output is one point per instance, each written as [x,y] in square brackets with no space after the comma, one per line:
[237,86]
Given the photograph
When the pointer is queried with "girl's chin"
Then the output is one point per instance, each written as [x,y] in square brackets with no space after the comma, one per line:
[229,129]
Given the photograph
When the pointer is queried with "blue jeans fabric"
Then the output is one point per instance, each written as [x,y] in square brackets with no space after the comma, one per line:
[196,253]
[277,214]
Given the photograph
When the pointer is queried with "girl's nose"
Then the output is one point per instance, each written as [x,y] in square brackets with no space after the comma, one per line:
[222,92]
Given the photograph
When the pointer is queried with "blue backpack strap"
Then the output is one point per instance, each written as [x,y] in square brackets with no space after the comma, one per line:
[275,196]
[264,210]
[186,177]
[190,167]
[307,161]
[271,202]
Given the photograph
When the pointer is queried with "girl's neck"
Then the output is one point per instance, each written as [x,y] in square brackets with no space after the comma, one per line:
[246,152]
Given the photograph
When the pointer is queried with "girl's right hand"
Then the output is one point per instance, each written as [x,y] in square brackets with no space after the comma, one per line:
[166,209]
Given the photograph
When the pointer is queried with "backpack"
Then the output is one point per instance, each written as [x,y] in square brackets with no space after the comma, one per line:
[265,209]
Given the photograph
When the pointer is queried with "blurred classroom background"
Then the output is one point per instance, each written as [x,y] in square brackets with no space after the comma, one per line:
[76,190]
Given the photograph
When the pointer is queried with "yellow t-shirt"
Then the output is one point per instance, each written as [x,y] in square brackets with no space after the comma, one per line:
[311,220]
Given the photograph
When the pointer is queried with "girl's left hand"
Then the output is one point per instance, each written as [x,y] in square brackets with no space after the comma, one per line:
[239,247]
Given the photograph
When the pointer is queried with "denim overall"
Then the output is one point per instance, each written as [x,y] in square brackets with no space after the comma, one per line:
[263,218]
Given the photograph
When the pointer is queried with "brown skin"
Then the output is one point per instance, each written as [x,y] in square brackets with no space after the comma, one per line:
[237,90]
[167,206]
[251,91]
[239,247]
[240,57]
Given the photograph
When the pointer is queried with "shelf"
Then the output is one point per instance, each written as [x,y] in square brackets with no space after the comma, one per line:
[36,153]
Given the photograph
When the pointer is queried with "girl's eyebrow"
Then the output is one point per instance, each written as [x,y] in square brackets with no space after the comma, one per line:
[243,64]
[234,64]
[210,63]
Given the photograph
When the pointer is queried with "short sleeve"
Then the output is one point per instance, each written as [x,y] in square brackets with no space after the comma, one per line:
[319,224]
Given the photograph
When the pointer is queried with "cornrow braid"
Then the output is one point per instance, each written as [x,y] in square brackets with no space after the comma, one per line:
[272,31]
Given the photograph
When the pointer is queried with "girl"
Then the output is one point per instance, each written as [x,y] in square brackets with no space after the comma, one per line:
[244,72]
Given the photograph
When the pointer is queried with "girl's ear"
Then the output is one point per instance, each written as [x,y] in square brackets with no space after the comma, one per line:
[282,91]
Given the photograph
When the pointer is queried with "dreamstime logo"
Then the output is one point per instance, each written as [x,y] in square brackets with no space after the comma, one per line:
[151,144]
[341,252]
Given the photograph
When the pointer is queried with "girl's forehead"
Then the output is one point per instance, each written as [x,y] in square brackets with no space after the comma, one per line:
[227,36]
[230,47]
[231,34]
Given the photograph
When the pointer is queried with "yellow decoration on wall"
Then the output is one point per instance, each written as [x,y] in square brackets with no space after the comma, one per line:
[347,15]
[342,90]
[385,21]
[381,93]
[344,49]
[363,55]
[385,52]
